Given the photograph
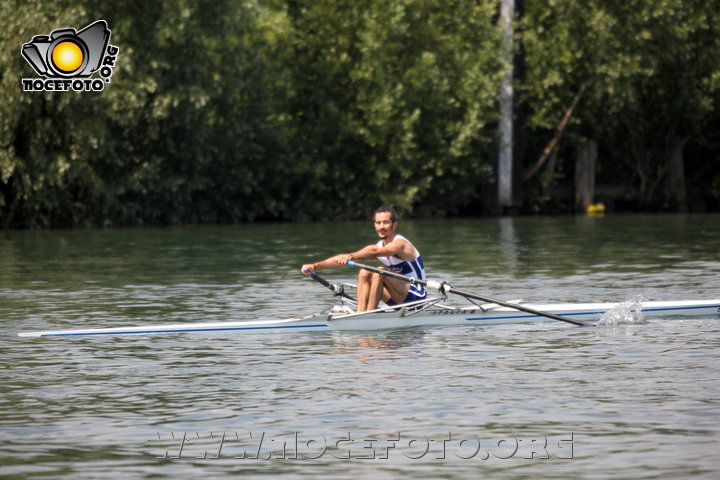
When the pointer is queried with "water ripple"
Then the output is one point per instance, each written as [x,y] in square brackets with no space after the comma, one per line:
[629,399]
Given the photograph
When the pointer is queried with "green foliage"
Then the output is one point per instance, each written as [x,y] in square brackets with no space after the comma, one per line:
[190,130]
[392,100]
[652,73]
[229,111]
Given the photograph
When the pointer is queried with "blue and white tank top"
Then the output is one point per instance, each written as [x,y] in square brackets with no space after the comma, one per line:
[414,269]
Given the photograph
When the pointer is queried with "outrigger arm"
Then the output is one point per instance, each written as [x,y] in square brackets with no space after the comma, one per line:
[445,288]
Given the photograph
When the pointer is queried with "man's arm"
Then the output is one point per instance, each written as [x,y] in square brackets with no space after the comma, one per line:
[341,259]
[399,248]
[332,262]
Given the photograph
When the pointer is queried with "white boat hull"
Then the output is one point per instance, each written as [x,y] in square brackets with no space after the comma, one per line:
[434,315]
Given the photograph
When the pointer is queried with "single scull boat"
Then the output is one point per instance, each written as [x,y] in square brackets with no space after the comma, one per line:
[431,311]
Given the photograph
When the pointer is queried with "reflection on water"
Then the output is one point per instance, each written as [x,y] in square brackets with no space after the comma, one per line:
[509,244]
[397,342]
[638,400]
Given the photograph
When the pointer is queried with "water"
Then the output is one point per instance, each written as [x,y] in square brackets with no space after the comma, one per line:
[632,398]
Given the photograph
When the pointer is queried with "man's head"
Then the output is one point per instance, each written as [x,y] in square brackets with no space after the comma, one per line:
[385,222]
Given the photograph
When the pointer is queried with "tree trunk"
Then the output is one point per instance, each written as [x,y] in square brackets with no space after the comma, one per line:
[585,175]
[677,190]
[505,158]
[556,138]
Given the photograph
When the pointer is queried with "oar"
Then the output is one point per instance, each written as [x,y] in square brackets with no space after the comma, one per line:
[337,289]
[447,288]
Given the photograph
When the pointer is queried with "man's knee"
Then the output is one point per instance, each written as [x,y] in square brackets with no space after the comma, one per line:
[364,276]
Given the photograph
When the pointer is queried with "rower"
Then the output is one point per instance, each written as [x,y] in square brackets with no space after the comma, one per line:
[392,250]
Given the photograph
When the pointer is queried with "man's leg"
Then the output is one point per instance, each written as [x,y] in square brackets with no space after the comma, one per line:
[395,289]
[370,289]
[376,291]
[364,283]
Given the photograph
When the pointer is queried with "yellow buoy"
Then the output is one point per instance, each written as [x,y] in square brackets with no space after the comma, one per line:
[595,209]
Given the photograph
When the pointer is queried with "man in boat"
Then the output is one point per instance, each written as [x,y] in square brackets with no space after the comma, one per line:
[392,250]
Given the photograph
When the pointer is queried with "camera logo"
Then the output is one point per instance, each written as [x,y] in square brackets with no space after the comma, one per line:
[67,59]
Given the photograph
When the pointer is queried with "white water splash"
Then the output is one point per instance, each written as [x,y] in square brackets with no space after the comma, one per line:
[627,312]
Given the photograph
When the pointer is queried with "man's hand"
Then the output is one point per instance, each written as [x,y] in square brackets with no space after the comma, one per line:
[336,261]
[343,258]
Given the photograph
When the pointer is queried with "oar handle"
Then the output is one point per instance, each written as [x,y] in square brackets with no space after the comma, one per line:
[337,290]
[319,279]
[387,273]
[444,288]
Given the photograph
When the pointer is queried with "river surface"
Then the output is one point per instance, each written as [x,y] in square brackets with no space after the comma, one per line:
[636,398]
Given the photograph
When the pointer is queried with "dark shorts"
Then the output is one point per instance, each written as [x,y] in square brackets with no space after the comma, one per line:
[411,297]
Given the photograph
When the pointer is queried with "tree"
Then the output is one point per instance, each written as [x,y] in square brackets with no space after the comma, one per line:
[392,101]
[651,75]
[194,107]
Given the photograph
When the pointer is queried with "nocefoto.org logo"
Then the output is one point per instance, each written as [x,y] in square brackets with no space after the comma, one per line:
[67,59]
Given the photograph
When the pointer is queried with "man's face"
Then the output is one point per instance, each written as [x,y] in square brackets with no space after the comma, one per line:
[384,225]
